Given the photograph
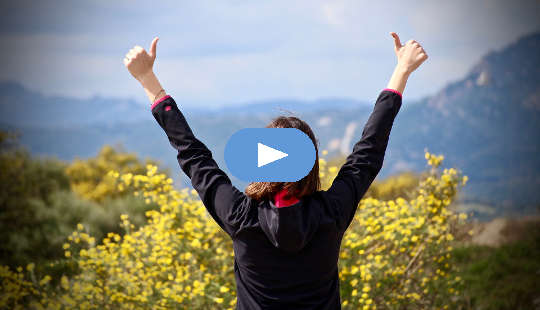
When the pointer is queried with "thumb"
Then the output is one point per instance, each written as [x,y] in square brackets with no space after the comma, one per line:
[397,42]
[153,46]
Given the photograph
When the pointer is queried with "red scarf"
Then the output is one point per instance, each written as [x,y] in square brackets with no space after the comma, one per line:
[280,201]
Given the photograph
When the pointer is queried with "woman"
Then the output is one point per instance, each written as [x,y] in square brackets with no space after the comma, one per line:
[286,236]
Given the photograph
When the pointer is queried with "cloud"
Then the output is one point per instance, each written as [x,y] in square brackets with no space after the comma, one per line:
[217,53]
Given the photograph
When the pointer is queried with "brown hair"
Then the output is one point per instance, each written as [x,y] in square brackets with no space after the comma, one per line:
[307,185]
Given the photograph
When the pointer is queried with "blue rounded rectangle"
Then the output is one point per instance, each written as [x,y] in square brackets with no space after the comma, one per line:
[269,154]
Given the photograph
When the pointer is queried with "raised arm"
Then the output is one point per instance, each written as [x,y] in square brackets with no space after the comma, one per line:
[366,160]
[225,203]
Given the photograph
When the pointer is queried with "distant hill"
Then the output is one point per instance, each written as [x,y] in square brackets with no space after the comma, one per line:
[21,107]
[486,124]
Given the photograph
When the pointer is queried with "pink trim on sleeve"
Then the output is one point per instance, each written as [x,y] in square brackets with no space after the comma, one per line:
[159,100]
[394,91]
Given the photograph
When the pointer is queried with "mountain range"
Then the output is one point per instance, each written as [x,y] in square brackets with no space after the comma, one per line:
[486,124]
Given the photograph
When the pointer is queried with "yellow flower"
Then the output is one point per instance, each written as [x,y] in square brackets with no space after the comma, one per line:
[223,289]
[46,279]
[64,282]
[30,267]
[218,300]
[196,243]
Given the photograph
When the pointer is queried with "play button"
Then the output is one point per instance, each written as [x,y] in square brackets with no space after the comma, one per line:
[269,154]
[266,155]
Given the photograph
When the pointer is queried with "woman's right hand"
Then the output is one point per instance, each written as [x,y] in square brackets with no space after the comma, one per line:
[410,56]
[139,62]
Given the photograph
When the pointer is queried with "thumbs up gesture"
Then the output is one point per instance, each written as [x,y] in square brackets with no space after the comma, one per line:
[139,62]
[410,55]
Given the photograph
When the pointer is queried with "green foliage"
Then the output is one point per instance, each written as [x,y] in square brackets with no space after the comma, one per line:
[57,219]
[501,278]
[39,209]
[25,182]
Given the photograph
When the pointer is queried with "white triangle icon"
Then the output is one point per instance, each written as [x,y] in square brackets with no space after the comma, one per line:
[266,155]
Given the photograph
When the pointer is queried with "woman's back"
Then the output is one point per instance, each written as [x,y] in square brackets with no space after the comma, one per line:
[285,256]
[288,256]
[286,253]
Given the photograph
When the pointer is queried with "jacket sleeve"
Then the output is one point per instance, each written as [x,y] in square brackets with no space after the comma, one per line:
[366,160]
[225,203]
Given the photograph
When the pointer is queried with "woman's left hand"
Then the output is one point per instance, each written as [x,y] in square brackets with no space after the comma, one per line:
[139,62]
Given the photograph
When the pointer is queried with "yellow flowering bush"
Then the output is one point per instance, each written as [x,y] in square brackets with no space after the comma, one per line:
[88,177]
[394,254]
[401,184]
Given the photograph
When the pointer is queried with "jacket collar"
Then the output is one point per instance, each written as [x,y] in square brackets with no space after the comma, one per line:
[281,201]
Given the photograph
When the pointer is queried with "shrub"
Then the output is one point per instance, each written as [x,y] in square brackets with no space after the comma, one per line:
[88,176]
[25,182]
[394,255]
[402,184]
[38,209]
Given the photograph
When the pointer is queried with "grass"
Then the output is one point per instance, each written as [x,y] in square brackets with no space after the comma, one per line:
[506,277]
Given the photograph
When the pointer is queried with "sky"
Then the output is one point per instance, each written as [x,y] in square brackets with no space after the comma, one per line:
[218,53]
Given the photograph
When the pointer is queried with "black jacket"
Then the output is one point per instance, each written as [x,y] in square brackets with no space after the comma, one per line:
[285,258]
